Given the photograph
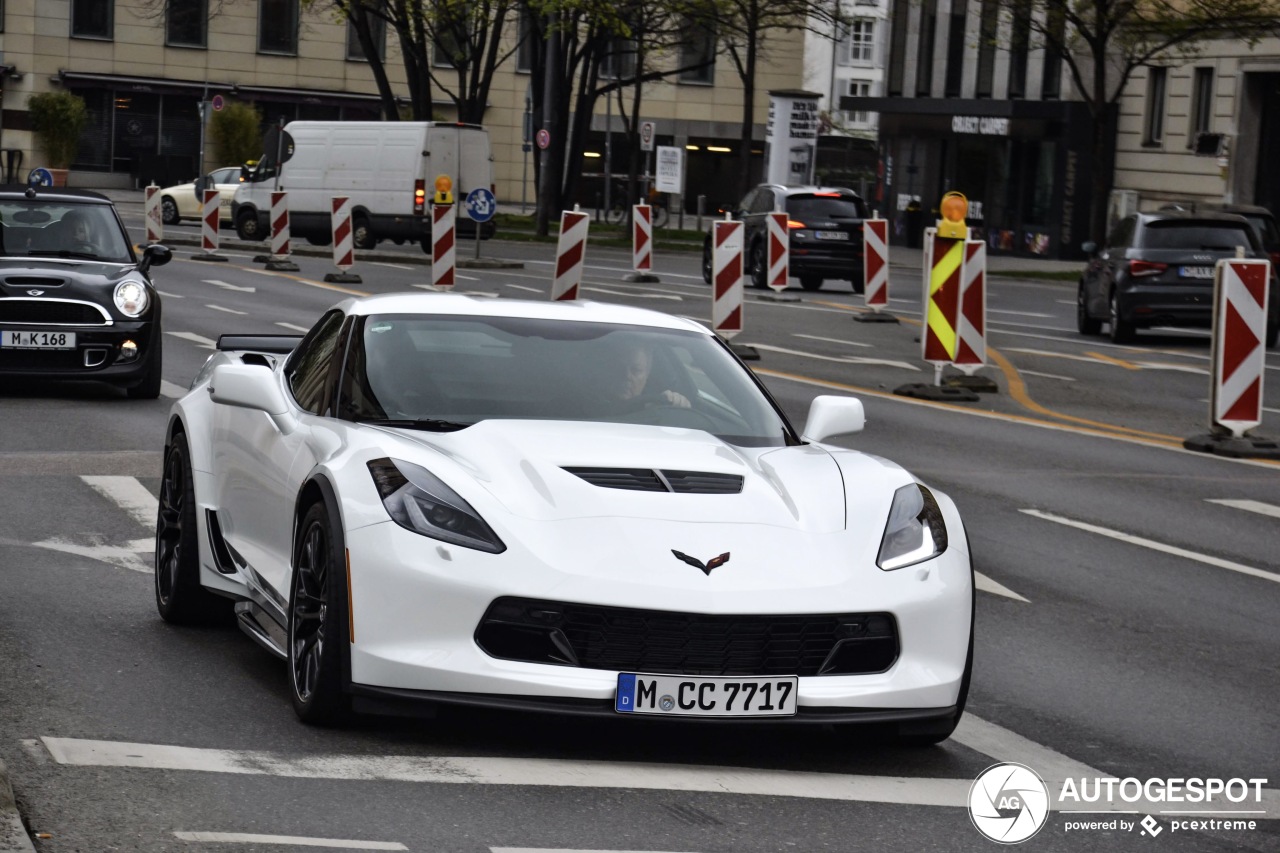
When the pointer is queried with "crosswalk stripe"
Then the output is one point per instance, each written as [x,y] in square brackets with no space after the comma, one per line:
[1249,506]
[129,494]
[1155,546]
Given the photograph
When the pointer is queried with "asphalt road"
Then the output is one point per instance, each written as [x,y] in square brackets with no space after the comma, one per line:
[1126,625]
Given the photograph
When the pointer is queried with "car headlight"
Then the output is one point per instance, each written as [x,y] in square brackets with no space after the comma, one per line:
[420,501]
[131,298]
[915,531]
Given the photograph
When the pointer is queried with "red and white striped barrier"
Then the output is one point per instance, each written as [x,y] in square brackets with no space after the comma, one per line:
[642,237]
[210,219]
[971,347]
[944,257]
[444,246]
[280,224]
[777,251]
[875,264]
[155,222]
[344,255]
[1239,328]
[570,255]
[726,278]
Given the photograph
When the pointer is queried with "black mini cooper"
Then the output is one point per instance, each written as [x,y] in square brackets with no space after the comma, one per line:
[76,302]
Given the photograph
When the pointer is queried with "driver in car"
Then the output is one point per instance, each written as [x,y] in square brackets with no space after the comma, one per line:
[79,232]
[637,364]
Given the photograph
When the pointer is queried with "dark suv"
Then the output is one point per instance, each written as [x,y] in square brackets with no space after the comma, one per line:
[825,225]
[76,302]
[1157,270]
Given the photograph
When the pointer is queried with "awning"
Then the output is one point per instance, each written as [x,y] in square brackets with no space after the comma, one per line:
[158,85]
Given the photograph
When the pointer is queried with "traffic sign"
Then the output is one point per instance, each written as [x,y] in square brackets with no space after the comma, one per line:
[481,205]
[40,177]
[218,103]
[543,138]
[647,129]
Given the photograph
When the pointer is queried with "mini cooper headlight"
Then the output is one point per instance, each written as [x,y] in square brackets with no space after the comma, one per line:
[915,531]
[420,501]
[131,298]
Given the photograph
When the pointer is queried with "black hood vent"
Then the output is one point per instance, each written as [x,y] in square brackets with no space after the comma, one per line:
[34,281]
[647,480]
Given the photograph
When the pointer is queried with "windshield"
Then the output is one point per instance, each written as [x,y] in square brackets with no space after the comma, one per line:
[443,373]
[826,207]
[62,230]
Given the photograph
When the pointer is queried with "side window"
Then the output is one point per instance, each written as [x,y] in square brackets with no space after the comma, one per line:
[763,202]
[310,368]
[748,200]
[1121,236]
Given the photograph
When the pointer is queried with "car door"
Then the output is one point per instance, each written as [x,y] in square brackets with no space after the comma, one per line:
[1101,272]
[225,181]
[256,466]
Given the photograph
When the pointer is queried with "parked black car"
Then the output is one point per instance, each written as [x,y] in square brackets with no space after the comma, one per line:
[1262,220]
[76,301]
[825,233]
[1157,270]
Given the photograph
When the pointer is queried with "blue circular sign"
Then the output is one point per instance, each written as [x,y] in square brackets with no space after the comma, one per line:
[40,177]
[481,205]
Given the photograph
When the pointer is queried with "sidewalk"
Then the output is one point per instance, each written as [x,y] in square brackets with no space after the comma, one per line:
[13,836]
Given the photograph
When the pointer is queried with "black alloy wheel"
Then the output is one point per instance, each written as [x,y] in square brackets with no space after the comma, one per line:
[362,235]
[759,269]
[1122,332]
[1085,324]
[247,225]
[317,623]
[179,596]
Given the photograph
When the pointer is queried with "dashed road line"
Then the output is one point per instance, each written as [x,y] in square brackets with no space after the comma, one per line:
[227,310]
[984,583]
[198,340]
[228,286]
[1249,506]
[291,327]
[833,340]
[287,840]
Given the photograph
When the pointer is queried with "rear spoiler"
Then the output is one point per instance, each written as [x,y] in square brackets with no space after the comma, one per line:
[281,344]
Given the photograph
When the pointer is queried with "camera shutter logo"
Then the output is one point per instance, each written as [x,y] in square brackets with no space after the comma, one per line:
[1008,803]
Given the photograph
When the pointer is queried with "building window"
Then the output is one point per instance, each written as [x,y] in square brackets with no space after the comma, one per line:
[278,26]
[1055,30]
[898,46]
[618,62]
[858,42]
[91,18]
[1020,45]
[377,32]
[988,31]
[1201,104]
[698,51]
[452,41]
[527,33]
[858,89]
[955,49]
[924,48]
[186,23]
[1153,130]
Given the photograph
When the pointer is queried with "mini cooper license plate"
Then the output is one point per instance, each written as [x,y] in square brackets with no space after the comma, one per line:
[832,235]
[37,340]
[1195,272]
[706,696]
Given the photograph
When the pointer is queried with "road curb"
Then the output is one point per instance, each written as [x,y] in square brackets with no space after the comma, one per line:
[13,835]
[360,254]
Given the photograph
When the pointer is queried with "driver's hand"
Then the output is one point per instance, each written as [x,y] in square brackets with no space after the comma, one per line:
[675,398]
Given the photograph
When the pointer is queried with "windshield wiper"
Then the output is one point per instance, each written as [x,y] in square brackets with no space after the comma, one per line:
[428,424]
[64,253]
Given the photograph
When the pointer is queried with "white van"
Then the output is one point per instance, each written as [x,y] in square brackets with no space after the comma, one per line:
[387,168]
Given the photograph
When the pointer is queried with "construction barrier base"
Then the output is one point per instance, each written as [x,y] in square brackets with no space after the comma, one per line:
[282,266]
[1236,447]
[485,264]
[920,391]
[205,256]
[342,278]
[874,317]
[778,297]
[980,384]
[641,277]
[745,352]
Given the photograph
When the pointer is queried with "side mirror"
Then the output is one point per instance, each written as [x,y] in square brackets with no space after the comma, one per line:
[155,255]
[251,386]
[1089,247]
[830,415]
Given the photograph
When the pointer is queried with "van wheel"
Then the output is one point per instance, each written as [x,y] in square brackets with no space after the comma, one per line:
[320,241]
[247,225]
[361,234]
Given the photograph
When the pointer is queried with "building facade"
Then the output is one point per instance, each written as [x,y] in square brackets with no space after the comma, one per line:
[145,66]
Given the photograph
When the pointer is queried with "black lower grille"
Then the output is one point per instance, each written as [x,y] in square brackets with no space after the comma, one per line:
[627,640]
[46,312]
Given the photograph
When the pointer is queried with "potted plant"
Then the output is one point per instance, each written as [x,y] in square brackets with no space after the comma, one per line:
[58,119]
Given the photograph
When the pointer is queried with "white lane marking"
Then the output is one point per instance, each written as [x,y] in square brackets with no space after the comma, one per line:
[112,555]
[292,327]
[228,310]
[832,340]
[1155,546]
[522,287]
[228,286]
[986,584]
[563,850]
[198,340]
[634,294]
[1181,368]
[172,390]
[842,359]
[1021,313]
[974,733]
[391,266]
[127,493]
[1045,375]
[294,840]
[1249,506]
[1069,356]
[167,295]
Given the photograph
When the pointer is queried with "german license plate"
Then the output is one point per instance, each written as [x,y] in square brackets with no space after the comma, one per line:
[832,235]
[37,340]
[1195,272]
[706,696]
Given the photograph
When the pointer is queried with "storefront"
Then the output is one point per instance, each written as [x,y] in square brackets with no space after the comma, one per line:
[1025,167]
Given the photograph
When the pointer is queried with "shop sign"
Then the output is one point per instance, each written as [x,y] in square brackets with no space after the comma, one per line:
[984,125]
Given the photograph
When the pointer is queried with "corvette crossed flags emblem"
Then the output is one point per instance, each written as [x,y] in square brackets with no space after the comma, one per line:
[713,563]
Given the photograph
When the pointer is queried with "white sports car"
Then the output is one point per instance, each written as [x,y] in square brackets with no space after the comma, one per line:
[579,508]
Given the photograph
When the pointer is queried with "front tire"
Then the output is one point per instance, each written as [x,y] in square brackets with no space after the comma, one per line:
[1085,324]
[318,622]
[169,211]
[180,598]
[362,235]
[811,282]
[759,266]
[706,261]
[247,225]
[1122,332]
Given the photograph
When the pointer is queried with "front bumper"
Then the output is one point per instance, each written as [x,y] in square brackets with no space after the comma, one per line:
[97,355]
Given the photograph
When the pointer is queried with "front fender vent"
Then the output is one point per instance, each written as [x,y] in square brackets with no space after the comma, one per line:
[648,480]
